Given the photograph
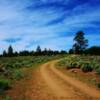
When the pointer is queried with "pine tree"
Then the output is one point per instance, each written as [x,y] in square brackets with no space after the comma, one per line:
[10,51]
[80,44]
[4,53]
[38,49]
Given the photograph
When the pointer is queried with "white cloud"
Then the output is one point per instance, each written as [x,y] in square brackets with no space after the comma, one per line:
[17,22]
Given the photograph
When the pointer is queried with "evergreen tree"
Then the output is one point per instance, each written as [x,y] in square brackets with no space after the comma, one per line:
[71,51]
[10,51]
[80,44]
[38,50]
[4,53]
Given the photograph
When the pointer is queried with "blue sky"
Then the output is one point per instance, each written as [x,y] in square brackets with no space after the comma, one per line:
[24,24]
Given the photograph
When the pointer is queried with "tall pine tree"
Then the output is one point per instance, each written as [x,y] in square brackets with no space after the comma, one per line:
[80,44]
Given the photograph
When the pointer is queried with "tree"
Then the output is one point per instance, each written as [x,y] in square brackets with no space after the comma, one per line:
[24,53]
[16,54]
[10,51]
[45,51]
[80,44]
[94,50]
[38,50]
[4,53]
[62,52]
[71,51]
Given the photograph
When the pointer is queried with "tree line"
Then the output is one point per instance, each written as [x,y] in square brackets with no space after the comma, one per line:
[80,46]
[39,52]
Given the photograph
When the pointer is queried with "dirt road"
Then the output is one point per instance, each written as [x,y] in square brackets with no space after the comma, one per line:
[64,87]
[48,83]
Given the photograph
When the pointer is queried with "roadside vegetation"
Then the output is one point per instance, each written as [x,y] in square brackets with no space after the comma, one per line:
[14,69]
[78,64]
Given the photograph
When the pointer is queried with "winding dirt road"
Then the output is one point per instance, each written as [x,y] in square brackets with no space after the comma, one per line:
[64,87]
[48,83]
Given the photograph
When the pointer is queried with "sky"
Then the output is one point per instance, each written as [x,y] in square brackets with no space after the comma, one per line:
[24,24]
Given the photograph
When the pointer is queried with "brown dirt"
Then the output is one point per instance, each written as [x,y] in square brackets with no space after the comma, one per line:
[48,83]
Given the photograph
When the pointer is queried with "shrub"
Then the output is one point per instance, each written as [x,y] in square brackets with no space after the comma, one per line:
[17,74]
[8,65]
[6,98]
[4,84]
[98,84]
[79,64]
[17,65]
[98,71]
[86,67]
[97,66]
[73,65]
[70,65]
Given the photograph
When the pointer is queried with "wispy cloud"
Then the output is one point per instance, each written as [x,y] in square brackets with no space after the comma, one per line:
[12,40]
[49,23]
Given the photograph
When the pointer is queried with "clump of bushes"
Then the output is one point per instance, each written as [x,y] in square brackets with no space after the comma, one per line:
[86,67]
[4,84]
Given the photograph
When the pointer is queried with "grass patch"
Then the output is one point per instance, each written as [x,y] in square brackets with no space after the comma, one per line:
[4,84]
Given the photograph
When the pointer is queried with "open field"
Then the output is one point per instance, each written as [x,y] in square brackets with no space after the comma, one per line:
[50,78]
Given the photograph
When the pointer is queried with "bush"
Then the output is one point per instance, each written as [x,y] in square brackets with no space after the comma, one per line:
[6,98]
[96,66]
[86,67]
[8,65]
[73,65]
[4,84]
[17,65]
[98,71]
[17,74]
[98,84]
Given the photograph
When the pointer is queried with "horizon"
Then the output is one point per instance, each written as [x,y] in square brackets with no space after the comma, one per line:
[25,24]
